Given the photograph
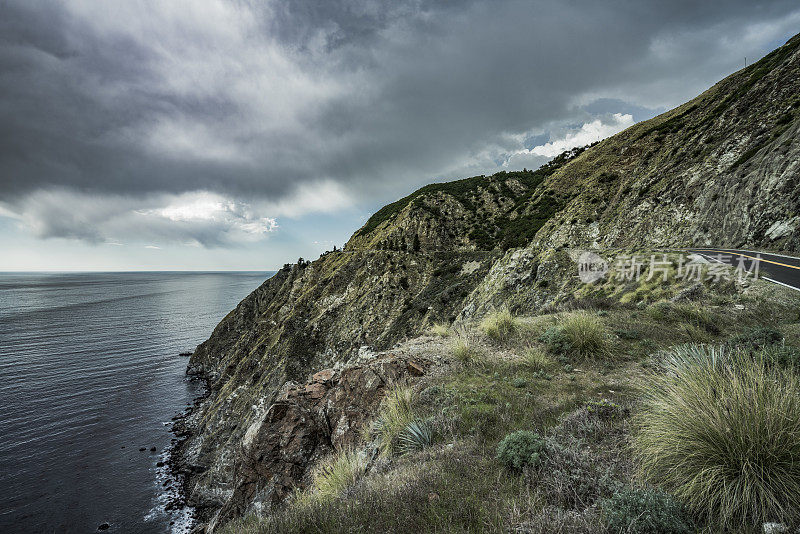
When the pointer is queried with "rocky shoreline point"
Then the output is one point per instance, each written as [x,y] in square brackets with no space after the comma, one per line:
[177,499]
[306,422]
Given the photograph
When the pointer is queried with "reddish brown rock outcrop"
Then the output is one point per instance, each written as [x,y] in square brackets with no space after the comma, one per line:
[307,422]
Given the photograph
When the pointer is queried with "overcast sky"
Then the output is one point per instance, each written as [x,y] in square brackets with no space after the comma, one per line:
[228,134]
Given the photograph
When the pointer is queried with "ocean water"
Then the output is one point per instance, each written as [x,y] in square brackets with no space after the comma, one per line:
[89,374]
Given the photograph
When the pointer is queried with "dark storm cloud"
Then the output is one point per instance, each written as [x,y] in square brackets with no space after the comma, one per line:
[123,103]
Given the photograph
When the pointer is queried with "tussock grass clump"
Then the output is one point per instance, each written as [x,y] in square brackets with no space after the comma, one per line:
[698,316]
[339,473]
[661,310]
[583,333]
[464,349]
[397,429]
[719,429]
[439,329]
[536,360]
[499,325]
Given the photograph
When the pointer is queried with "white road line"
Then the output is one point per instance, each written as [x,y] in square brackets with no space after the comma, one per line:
[712,258]
[763,277]
[780,283]
[770,254]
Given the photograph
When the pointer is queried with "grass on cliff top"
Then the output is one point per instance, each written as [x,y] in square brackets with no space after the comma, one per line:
[584,480]
[499,325]
[455,489]
[719,430]
[335,475]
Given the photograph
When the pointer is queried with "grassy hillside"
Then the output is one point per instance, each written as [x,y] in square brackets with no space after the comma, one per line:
[541,423]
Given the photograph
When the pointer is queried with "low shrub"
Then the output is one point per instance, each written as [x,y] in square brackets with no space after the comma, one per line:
[542,375]
[645,511]
[595,422]
[768,344]
[519,382]
[519,449]
[757,338]
[628,334]
[718,429]
[781,355]
[566,475]
[555,339]
[556,520]
[499,325]
[605,409]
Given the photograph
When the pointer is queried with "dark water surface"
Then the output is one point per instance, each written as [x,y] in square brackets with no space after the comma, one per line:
[89,373]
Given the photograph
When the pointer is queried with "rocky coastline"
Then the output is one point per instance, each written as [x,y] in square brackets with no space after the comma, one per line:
[451,254]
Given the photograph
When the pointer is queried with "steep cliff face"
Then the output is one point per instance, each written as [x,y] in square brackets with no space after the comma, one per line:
[723,169]
[308,317]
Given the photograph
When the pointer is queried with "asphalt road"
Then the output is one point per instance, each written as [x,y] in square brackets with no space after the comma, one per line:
[777,268]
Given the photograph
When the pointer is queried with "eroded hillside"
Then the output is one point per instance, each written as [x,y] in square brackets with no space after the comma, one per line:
[723,169]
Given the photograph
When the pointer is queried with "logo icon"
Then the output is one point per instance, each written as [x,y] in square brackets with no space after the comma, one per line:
[591,267]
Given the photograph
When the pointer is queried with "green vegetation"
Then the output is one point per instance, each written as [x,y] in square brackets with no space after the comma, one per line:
[335,476]
[781,355]
[718,428]
[463,191]
[769,344]
[757,337]
[580,333]
[645,511]
[519,449]
[536,360]
[530,210]
[699,379]
[520,230]
[690,313]
[395,415]
[605,409]
[527,438]
[457,490]
[439,329]
[499,325]
[416,435]
[464,349]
